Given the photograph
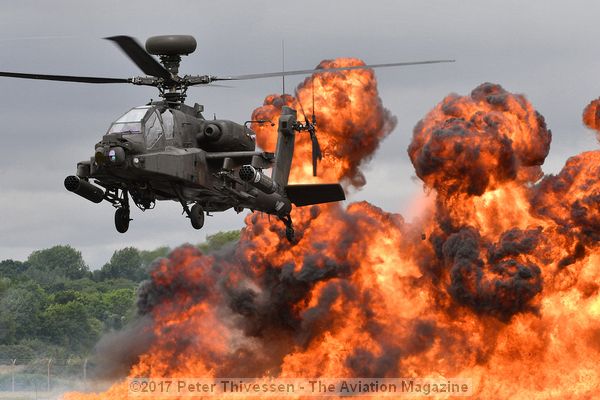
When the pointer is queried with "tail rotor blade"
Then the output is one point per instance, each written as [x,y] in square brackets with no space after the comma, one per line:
[316,151]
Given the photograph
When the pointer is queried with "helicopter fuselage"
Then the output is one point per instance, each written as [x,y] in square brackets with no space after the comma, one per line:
[178,155]
[157,152]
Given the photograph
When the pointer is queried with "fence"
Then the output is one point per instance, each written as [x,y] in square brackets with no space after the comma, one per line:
[41,378]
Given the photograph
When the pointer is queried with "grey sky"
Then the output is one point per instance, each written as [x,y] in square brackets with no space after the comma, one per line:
[544,49]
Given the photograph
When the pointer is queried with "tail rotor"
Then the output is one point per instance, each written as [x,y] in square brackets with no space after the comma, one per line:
[311,128]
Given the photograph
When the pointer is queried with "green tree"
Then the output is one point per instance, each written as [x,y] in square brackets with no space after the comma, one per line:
[52,306]
[22,306]
[70,326]
[5,283]
[95,305]
[112,284]
[60,260]
[82,285]
[112,308]
[218,240]
[125,263]
[19,351]
[148,256]
[65,296]
[119,304]
[42,349]
[12,269]
[8,328]
[120,301]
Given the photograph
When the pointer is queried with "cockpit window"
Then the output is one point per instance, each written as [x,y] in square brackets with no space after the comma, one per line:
[167,119]
[153,130]
[134,115]
[126,127]
[144,120]
[130,122]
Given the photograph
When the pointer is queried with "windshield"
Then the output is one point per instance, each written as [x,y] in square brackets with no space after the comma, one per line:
[130,122]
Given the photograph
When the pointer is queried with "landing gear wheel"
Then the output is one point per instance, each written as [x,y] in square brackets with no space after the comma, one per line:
[290,234]
[197,216]
[122,219]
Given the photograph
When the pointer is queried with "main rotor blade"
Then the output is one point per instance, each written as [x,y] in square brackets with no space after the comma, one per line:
[311,71]
[140,57]
[64,78]
[216,85]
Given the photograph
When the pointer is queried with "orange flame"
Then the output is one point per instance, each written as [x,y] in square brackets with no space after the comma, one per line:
[504,290]
[591,116]
[351,122]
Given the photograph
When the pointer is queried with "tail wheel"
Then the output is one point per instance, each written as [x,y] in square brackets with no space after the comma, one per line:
[197,216]
[122,219]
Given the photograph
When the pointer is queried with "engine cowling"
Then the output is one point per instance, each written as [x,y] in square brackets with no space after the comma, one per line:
[223,135]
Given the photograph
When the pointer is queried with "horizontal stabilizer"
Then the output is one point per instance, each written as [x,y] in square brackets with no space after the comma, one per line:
[305,195]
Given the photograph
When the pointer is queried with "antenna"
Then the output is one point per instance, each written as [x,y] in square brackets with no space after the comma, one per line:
[283,65]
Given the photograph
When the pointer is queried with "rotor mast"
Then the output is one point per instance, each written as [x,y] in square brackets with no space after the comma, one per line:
[175,93]
[169,49]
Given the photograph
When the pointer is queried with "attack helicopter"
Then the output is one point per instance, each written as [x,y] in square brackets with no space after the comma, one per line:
[167,150]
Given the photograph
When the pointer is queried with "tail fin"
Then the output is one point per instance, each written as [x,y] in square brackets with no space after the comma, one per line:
[305,195]
[285,146]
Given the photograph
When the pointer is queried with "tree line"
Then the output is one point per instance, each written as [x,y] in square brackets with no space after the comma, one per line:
[53,306]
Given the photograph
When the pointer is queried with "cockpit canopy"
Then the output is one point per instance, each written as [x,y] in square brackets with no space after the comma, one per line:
[147,120]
